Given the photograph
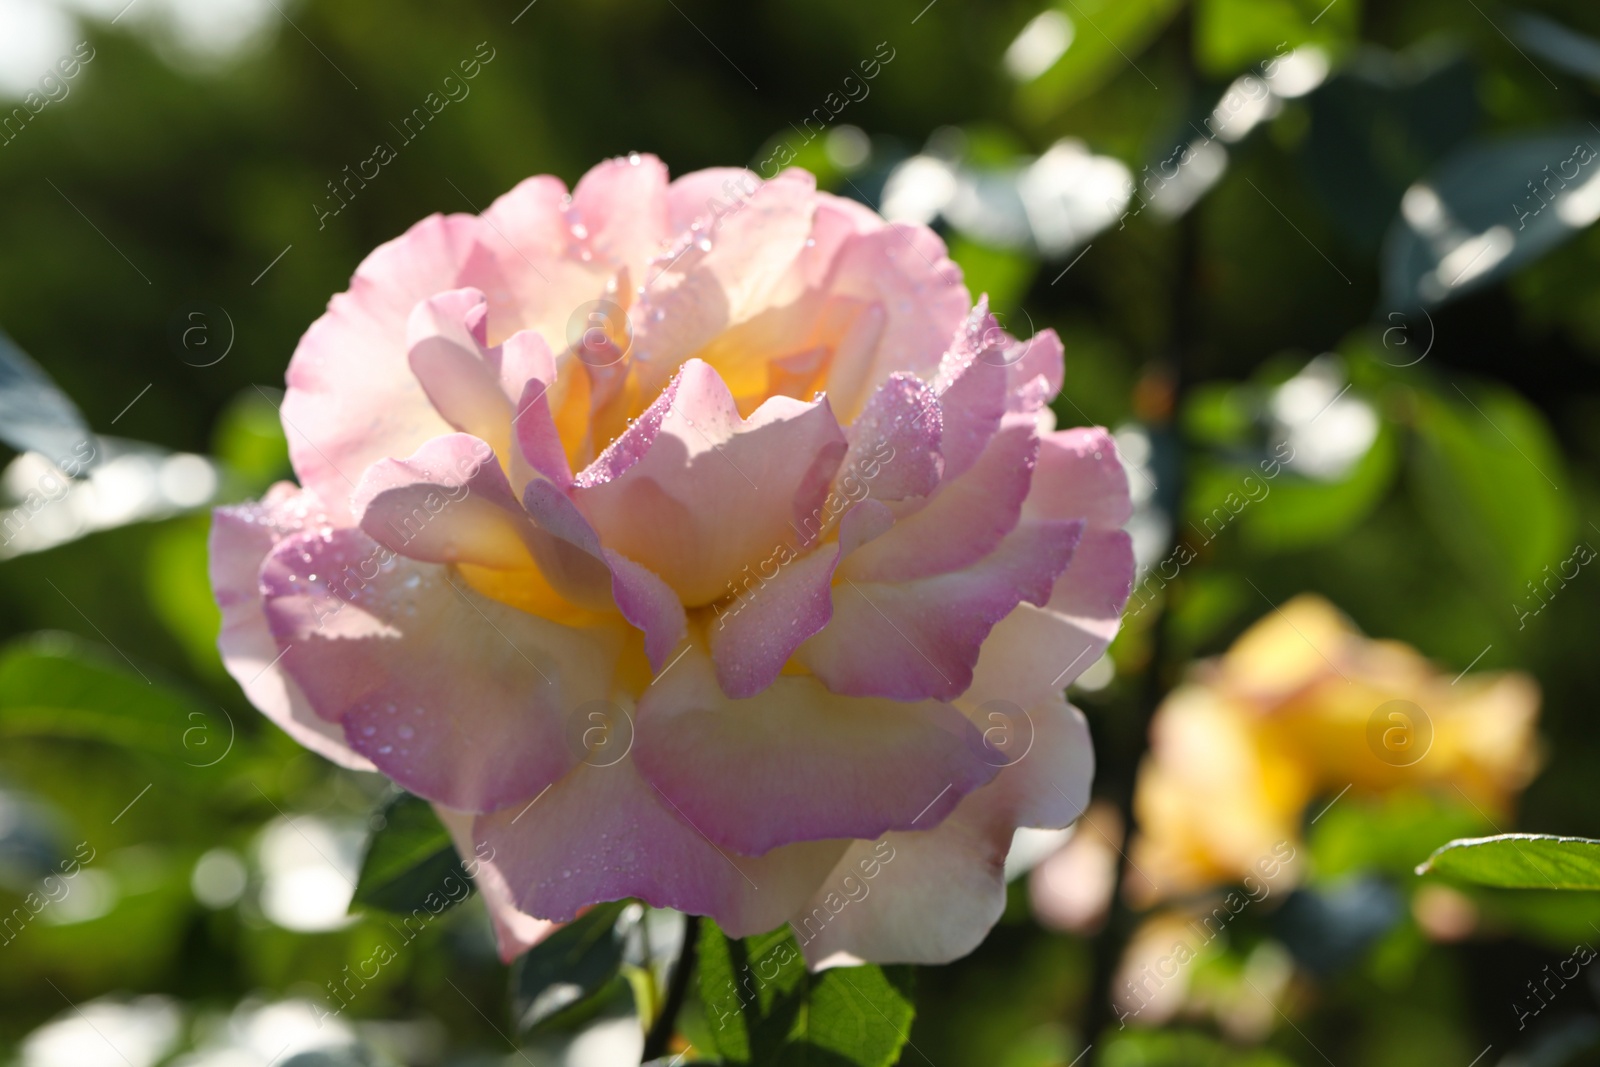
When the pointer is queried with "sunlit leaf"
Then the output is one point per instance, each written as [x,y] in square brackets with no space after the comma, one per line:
[249,440]
[1519,861]
[1001,273]
[1573,52]
[1304,512]
[55,686]
[1232,34]
[1107,37]
[179,588]
[764,1007]
[1139,1047]
[411,863]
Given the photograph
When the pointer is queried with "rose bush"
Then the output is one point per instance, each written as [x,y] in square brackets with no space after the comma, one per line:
[688,542]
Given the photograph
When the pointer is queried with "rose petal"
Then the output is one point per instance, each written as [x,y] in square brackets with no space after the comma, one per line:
[712,492]
[619,211]
[931,897]
[971,384]
[603,833]
[1034,372]
[918,639]
[456,697]
[352,398]
[800,764]
[894,444]
[460,376]
[1078,476]
[241,538]
[961,523]
[755,636]
[650,604]
[515,932]
[538,442]
[724,276]
[904,270]
[449,502]
[705,196]
[528,231]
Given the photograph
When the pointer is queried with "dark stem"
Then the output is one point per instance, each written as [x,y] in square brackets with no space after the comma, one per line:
[666,1024]
[1120,783]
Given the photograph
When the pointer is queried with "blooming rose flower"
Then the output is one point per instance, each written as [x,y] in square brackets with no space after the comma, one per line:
[1303,706]
[695,542]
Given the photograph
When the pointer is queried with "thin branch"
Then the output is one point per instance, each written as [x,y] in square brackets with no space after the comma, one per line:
[666,1024]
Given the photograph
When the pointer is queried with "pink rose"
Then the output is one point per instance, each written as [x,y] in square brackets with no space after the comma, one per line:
[695,542]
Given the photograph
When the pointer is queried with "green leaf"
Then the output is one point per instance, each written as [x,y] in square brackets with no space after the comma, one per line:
[763,1006]
[1488,476]
[1003,274]
[1386,833]
[54,685]
[249,441]
[1233,34]
[1107,37]
[179,589]
[1495,205]
[411,864]
[1520,861]
[1182,1048]
[576,966]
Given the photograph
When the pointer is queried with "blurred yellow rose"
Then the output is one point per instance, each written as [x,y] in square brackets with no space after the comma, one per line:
[1304,706]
